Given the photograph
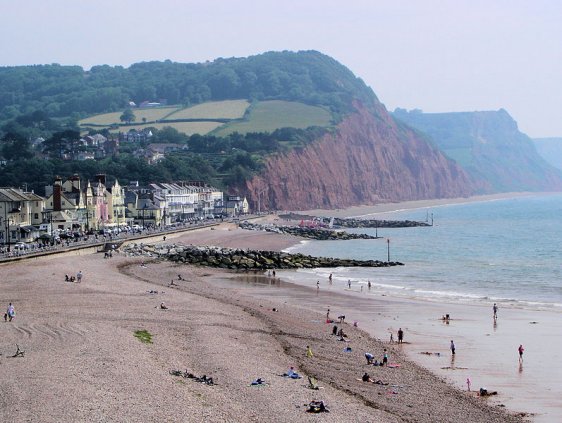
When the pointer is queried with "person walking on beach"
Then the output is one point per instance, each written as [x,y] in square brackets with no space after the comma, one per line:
[330,278]
[452,347]
[79,276]
[349,283]
[328,315]
[520,350]
[317,285]
[495,309]
[10,313]
[400,335]
[369,284]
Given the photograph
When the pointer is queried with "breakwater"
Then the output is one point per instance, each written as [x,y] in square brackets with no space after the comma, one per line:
[237,259]
[355,223]
[319,234]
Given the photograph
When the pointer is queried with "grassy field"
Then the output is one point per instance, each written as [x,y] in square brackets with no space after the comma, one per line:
[266,116]
[151,114]
[188,128]
[228,109]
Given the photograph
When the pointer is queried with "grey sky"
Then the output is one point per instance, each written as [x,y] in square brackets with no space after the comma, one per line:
[434,55]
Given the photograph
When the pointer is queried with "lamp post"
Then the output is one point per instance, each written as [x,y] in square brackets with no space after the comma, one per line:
[388,250]
[6,225]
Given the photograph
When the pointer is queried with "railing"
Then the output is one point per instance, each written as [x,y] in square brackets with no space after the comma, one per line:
[95,240]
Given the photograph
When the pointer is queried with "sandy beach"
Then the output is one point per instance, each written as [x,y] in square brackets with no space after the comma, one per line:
[82,361]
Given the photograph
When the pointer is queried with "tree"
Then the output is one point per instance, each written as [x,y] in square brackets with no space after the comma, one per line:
[128,116]
[16,146]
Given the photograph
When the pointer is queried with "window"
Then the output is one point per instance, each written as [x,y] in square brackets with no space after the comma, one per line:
[36,216]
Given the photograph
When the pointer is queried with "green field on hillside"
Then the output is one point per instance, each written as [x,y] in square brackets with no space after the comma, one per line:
[228,109]
[267,116]
[264,116]
[151,114]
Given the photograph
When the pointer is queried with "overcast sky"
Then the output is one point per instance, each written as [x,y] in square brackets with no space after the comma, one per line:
[437,56]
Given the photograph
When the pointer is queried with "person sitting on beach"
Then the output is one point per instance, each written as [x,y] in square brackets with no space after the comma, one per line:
[163,306]
[66,278]
[341,333]
[366,377]
[292,374]
[341,318]
[369,357]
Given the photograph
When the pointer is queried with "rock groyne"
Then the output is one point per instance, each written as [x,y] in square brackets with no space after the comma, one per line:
[357,223]
[319,234]
[237,259]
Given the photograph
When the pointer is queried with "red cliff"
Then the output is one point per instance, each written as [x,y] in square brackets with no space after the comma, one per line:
[369,159]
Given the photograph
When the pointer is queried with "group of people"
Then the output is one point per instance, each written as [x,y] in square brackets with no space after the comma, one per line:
[78,277]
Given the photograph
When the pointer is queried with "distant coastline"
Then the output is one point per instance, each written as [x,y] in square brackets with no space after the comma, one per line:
[367,210]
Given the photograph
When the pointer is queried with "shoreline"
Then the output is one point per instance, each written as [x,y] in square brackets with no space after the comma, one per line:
[365,210]
[470,335]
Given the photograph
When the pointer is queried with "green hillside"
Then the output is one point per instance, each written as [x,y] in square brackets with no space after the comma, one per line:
[69,91]
[107,119]
[488,145]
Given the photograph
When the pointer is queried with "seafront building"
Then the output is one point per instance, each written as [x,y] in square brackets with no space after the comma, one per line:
[75,207]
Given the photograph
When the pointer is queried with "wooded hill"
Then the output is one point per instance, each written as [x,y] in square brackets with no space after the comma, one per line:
[62,91]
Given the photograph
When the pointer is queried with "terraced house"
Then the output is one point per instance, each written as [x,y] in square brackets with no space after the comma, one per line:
[21,213]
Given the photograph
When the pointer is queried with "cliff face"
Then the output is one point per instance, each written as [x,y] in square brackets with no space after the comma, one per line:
[489,146]
[369,159]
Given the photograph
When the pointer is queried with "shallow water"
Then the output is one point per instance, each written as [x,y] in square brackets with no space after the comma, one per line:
[505,251]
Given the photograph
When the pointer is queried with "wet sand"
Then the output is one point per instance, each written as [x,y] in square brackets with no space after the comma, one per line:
[486,350]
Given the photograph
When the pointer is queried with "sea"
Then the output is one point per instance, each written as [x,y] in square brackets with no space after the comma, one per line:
[502,250]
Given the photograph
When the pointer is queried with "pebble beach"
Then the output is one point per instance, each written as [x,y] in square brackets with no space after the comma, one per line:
[83,362]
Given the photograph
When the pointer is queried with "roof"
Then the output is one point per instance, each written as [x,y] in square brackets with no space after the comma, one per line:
[14,194]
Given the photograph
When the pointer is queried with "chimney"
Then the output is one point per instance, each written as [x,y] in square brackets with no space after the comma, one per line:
[57,188]
[100,177]
[75,183]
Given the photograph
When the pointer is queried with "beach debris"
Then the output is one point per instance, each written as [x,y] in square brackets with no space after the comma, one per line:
[313,383]
[317,407]
[19,353]
[187,375]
